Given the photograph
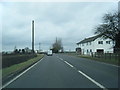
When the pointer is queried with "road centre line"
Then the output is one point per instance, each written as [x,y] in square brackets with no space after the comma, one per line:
[88,77]
[66,62]
[69,64]
[95,82]
[61,59]
[21,74]
[57,56]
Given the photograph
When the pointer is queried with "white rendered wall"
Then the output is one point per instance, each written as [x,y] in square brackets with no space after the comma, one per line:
[108,48]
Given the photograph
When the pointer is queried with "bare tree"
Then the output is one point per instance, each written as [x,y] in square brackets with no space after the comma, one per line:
[109,29]
[57,45]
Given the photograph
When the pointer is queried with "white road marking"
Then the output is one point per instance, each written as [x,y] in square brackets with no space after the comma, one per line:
[20,74]
[95,82]
[61,59]
[69,64]
[66,62]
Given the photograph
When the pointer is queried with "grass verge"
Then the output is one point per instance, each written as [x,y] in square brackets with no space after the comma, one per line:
[110,61]
[17,67]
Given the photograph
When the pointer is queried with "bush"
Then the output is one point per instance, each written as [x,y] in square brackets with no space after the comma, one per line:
[9,60]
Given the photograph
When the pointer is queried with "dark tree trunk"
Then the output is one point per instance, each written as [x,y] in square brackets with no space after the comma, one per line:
[117,43]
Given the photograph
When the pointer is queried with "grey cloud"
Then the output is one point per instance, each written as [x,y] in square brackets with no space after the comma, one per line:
[70,21]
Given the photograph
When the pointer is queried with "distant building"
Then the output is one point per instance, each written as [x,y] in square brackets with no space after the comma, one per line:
[27,50]
[95,44]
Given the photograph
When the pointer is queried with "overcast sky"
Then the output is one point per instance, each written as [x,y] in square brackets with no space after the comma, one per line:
[69,21]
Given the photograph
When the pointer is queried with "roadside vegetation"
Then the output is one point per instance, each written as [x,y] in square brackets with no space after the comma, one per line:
[109,29]
[12,59]
[57,46]
[20,66]
[111,60]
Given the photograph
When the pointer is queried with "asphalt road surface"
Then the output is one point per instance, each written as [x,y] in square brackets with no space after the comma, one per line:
[63,71]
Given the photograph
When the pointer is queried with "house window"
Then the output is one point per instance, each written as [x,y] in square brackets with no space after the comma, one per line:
[83,51]
[113,42]
[90,43]
[107,42]
[90,50]
[87,51]
[87,43]
[100,42]
[82,44]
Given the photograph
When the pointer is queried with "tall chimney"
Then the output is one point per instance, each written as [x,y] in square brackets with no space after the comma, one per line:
[32,36]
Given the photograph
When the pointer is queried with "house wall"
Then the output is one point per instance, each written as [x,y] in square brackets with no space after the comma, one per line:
[108,48]
[91,47]
[87,48]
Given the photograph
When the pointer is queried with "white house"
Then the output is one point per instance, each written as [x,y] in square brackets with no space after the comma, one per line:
[95,44]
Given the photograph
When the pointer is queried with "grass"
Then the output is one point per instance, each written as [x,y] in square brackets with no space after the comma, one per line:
[107,60]
[12,69]
[110,61]
[12,59]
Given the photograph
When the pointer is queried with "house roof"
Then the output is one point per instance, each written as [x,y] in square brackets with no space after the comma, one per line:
[89,39]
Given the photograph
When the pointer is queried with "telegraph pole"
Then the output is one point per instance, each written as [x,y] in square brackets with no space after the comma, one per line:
[32,36]
[39,46]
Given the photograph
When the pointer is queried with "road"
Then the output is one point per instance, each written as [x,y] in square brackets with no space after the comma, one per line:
[63,71]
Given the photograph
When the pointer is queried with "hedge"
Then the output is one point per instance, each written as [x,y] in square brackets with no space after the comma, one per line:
[9,60]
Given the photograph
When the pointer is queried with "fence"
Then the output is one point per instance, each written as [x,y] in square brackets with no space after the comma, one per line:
[110,56]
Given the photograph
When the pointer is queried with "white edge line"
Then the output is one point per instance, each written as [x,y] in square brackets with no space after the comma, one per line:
[20,74]
[98,84]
